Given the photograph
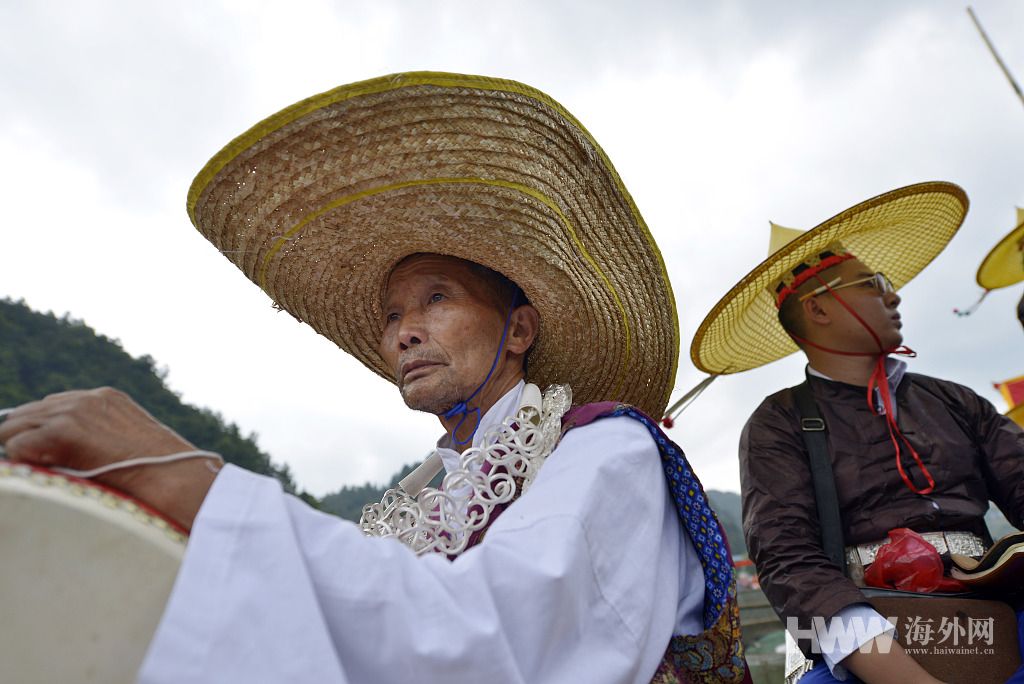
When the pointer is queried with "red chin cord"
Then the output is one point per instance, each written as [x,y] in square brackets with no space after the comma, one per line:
[880,379]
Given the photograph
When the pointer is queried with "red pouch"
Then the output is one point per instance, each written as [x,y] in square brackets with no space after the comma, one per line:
[909,563]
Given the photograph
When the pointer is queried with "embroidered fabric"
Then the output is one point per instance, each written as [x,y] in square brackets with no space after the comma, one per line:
[491,475]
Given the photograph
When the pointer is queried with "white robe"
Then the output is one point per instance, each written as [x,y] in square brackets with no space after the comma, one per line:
[584,579]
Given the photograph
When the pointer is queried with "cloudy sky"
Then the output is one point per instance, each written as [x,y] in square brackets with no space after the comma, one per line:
[718,116]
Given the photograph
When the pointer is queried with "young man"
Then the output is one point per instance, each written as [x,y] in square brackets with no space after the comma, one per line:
[906,450]
[443,229]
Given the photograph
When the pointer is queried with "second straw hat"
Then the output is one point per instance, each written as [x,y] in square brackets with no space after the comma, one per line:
[898,233]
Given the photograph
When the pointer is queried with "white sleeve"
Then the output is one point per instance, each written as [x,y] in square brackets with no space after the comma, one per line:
[848,630]
[579,580]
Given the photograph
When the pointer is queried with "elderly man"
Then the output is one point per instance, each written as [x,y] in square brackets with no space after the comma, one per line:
[460,236]
[906,450]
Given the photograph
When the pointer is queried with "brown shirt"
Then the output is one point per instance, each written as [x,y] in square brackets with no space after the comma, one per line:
[974,453]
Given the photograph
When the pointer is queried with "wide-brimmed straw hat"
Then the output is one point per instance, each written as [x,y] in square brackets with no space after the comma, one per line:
[1004,265]
[317,203]
[897,233]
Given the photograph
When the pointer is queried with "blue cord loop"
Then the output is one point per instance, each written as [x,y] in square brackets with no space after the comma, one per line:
[461,407]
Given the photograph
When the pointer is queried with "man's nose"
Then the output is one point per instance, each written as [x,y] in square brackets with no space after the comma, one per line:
[892,300]
[411,331]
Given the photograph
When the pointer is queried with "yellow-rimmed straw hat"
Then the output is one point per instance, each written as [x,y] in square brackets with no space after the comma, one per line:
[1004,264]
[898,233]
[1002,267]
[317,203]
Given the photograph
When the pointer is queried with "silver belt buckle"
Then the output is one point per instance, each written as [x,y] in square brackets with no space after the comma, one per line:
[962,543]
[965,544]
[938,540]
[866,552]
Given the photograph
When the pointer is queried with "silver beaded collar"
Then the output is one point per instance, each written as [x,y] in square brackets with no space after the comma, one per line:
[429,520]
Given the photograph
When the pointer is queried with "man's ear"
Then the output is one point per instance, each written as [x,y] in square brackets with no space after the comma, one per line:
[522,329]
[815,313]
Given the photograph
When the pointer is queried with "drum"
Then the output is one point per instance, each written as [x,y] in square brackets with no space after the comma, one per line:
[84,576]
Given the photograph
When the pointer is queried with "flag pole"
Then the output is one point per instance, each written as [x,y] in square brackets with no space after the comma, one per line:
[999,61]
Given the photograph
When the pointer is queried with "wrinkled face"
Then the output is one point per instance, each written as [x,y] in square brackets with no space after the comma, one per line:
[876,309]
[442,328]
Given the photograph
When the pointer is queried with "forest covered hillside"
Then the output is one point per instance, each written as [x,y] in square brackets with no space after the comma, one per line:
[41,354]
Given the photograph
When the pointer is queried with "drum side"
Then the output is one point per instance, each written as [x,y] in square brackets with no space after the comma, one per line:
[84,578]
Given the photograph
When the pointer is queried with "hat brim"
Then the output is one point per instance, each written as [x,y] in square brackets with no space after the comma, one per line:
[317,203]
[1004,264]
[899,233]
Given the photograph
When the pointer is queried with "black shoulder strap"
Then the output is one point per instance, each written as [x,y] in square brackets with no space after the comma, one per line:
[812,427]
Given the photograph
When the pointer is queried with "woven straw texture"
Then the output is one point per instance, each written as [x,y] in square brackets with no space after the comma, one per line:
[317,203]
[1004,265]
[898,233]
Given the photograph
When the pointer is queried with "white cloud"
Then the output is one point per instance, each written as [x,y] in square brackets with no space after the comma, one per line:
[719,116]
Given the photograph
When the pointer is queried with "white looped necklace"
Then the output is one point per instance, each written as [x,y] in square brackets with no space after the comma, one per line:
[443,520]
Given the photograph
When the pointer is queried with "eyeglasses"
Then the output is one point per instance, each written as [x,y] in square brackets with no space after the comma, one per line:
[878,281]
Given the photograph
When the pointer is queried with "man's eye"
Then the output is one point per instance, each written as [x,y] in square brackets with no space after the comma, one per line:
[391,318]
[436,297]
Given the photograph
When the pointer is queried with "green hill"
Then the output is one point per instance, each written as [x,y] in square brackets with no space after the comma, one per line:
[41,354]
[727,507]
[348,501]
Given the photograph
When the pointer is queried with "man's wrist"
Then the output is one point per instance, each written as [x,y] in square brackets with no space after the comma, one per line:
[176,489]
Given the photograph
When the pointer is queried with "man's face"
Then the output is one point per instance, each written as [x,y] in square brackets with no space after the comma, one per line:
[878,310]
[442,328]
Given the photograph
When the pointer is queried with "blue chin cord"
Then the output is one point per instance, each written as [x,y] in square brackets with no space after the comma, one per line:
[461,407]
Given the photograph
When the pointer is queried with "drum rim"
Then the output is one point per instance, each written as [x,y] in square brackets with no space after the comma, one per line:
[115,498]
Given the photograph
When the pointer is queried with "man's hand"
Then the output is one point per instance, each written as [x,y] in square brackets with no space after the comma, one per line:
[86,429]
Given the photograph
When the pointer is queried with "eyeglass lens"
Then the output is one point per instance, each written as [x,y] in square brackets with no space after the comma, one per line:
[883,284]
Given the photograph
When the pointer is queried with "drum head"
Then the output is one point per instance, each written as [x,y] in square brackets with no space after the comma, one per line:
[84,577]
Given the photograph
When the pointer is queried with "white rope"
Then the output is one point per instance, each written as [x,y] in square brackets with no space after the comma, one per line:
[144,460]
[130,463]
